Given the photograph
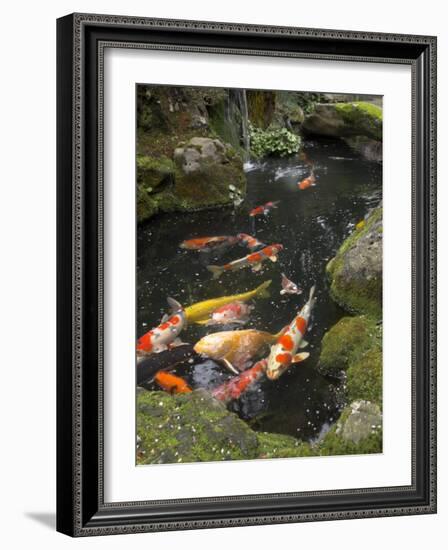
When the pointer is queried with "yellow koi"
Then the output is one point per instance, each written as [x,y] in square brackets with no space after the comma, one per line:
[200,312]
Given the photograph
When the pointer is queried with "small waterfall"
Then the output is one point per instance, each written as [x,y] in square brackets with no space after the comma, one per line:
[237,116]
[244,122]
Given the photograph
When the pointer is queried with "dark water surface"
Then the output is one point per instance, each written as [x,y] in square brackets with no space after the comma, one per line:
[311,225]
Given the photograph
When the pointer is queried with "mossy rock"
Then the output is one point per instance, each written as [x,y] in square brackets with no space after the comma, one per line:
[347,341]
[365,376]
[357,431]
[191,427]
[345,119]
[205,169]
[199,178]
[356,272]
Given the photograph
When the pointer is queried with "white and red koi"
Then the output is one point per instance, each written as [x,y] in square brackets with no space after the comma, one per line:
[284,352]
[233,388]
[288,287]
[253,260]
[235,312]
[207,244]
[249,241]
[166,334]
[264,209]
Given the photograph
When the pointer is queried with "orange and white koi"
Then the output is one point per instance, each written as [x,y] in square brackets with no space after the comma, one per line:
[253,260]
[206,244]
[233,388]
[171,383]
[249,241]
[263,209]
[235,312]
[288,287]
[284,352]
[310,181]
[166,334]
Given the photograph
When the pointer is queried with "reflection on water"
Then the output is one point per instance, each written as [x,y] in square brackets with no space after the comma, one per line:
[311,225]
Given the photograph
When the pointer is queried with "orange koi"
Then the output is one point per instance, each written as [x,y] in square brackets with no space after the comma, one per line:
[310,181]
[171,383]
[205,244]
[264,209]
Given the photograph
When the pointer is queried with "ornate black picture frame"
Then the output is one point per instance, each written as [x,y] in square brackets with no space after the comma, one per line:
[81,40]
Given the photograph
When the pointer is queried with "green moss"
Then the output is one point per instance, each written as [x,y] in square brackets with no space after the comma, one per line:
[261,107]
[365,377]
[282,446]
[365,117]
[356,294]
[346,342]
[152,171]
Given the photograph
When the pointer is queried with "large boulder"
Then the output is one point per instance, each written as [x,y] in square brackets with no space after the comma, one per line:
[358,123]
[345,120]
[356,272]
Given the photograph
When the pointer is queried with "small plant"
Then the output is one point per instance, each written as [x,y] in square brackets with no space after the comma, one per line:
[276,142]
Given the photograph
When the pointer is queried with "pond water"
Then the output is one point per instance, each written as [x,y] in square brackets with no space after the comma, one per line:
[311,225]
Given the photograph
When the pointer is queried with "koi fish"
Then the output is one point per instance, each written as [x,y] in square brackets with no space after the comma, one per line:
[235,312]
[200,312]
[360,225]
[206,244]
[253,260]
[249,241]
[166,334]
[264,209]
[288,287]
[233,388]
[284,352]
[310,181]
[235,348]
[171,383]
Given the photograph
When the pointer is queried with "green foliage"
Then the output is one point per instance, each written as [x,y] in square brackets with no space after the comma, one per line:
[307,100]
[273,142]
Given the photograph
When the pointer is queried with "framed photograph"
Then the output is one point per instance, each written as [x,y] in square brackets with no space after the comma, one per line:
[246,274]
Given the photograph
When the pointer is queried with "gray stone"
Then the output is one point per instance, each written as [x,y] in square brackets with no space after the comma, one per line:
[364,419]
